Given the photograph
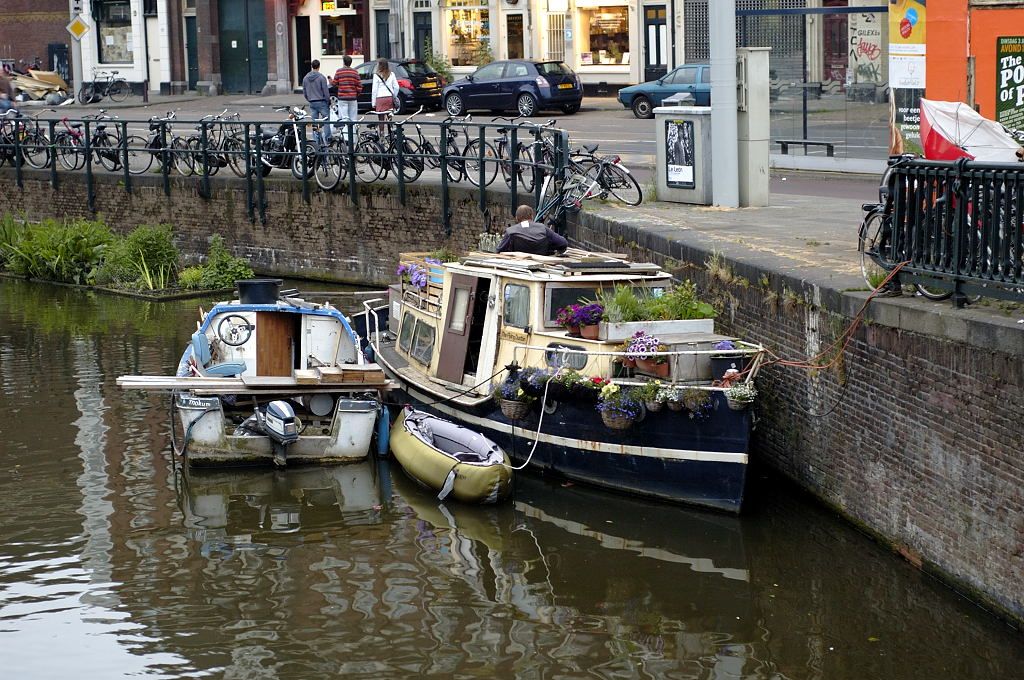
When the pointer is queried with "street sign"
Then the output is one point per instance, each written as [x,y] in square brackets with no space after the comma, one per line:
[77,28]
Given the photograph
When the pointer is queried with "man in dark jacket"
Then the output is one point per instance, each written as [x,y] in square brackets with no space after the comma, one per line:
[318,94]
[527,236]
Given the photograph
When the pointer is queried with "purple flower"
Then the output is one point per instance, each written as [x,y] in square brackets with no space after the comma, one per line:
[724,344]
[642,346]
[588,315]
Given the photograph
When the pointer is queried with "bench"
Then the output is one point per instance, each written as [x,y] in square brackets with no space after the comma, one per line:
[830,147]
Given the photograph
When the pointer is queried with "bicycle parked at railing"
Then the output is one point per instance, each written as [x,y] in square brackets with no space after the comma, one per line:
[454,166]
[223,146]
[104,84]
[522,166]
[605,175]
[70,143]
[377,152]
[21,134]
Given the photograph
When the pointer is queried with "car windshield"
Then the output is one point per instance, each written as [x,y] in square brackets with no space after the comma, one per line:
[554,68]
[418,68]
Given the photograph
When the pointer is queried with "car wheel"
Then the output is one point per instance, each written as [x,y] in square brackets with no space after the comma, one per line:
[527,104]
[642,107]
[570,109]
[402,105]
[454,105]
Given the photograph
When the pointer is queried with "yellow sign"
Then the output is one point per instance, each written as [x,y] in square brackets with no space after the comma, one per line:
[328,6]
[514,335]
[77,28]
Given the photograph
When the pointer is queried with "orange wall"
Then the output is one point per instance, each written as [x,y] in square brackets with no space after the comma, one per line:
[946,69]
[986,25]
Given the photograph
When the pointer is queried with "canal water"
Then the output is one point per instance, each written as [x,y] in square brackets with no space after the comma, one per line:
[116,563]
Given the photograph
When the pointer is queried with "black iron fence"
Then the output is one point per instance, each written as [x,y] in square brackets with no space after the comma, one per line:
[959,226]
[531,159]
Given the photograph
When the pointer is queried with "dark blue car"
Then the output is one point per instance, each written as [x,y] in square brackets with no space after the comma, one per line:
[692,78]
[525,86]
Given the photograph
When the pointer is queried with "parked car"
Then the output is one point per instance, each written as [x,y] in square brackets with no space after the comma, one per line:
[418,84]
[692,78]
[526,86]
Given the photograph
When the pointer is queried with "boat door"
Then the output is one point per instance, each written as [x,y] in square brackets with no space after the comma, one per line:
[463,327]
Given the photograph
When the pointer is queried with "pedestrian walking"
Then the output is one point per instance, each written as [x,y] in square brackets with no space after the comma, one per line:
[6,93]
[347,85]
[317,92]
[385,88]
[527,236]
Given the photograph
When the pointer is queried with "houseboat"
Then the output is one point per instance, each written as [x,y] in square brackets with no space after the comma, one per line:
[270,378]
[458,338]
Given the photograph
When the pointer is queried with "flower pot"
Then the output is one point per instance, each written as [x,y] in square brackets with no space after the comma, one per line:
[653,406]
[628,363]
[652,367]
[514,410]
[737,405]
[616,421]
[675,405]
[590,332]
[572,331]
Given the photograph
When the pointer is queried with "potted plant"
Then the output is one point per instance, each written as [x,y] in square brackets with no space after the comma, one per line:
[628,309]
[643,349]
[561,386]
[698,402]
[588,317]
[618,407]
[532,380]
[741,396]
[650,394]
[672,396]
[514,401]
[567,318]
[589,389]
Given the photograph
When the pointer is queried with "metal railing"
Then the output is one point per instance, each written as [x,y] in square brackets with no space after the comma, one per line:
[530,159]
[959,226]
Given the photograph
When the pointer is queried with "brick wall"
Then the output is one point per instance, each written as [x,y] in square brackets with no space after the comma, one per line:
[915,434]
[327,238]
[28,26]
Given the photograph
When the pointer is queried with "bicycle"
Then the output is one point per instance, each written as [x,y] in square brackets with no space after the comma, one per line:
[377,152]
[111,86]
[608,173]
[32,146]
[523,166]
[454,167]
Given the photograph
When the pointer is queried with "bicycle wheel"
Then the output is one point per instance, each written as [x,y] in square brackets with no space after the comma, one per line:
[308,151]
[35,148]
[870,242]
[412,161]
[106,152]
[455,168]
[369,161]
[119,90]
[86,94]
[181,156]
[481,174]
[69,151]
[933,292]
[140,159]
[327,167]
[582,186]
[622,185]
[525,169]
[234,149]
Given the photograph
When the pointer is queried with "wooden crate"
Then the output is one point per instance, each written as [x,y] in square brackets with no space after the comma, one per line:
[310,376]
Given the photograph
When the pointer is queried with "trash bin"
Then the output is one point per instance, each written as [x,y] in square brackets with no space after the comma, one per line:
[683,153]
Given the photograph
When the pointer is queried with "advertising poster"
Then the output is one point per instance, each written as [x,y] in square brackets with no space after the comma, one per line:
[1010,82]
[679,153]
[906,74]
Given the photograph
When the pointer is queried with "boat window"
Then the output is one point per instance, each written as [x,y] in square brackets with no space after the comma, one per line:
[422,342]
[459,310]
[405,338]
[517,306]
[556,359]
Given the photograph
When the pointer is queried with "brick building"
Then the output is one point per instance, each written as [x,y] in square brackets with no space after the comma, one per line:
[35,28]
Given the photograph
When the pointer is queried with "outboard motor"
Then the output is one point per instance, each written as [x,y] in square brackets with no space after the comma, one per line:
[277,421]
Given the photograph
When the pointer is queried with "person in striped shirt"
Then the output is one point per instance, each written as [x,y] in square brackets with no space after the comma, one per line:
[346,80]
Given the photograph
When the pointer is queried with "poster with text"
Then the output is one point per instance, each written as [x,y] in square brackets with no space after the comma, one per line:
[1010,82]
[907,56]
[679,154]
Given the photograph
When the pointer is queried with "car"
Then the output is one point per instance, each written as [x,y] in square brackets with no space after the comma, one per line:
[692,78]
[516,84]
[418,84]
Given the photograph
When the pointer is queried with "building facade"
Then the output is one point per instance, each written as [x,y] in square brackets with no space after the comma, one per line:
[34,29]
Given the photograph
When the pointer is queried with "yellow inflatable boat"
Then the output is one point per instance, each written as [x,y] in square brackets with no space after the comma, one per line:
[450,458]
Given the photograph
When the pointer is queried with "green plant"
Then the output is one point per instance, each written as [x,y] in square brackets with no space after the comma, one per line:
[625,304]
[444,254]
[620,304]
[148,247]
[481,55]
[650,391]
[437,62]
[153,279]
[743,393]
[698,402]
[222,269]
[67,253]
[190,277]
[11,231]
[619,402]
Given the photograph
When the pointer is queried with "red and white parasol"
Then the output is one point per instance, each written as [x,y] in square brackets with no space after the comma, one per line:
[952,130]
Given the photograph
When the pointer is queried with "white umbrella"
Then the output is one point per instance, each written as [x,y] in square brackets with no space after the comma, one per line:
[952,130]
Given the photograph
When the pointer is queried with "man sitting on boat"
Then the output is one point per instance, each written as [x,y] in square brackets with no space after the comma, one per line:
[527,236]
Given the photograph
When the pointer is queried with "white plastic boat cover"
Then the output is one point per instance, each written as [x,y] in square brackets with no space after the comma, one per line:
[457,441]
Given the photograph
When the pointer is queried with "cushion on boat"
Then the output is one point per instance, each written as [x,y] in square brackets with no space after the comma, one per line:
[201,353]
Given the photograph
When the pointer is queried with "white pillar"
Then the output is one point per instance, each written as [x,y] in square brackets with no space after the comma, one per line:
[724,147]
[76,52]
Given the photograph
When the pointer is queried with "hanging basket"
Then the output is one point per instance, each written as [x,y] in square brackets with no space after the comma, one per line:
[654,406]
[676,405]
[616,421]
[514,410]
[737,405]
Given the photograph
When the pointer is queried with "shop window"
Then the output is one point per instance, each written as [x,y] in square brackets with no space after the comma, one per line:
[114,31]
[605,36]
[517,306]
[341,35]
[469,32]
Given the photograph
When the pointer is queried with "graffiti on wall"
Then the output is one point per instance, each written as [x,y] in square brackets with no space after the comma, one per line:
[866,49]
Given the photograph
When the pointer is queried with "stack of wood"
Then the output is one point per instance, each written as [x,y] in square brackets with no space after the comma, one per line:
[38,84]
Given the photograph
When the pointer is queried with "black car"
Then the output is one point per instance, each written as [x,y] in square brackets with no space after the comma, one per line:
[418,84]
[526,86]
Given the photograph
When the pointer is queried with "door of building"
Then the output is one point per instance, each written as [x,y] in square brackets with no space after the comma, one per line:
[243,45]
[462,335]
[422,32]
[655,42]
[192,43]
[57,58]
[514,35]
[381,22]
[303,51]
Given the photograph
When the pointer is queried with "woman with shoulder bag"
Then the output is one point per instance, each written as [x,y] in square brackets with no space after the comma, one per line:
[385,89]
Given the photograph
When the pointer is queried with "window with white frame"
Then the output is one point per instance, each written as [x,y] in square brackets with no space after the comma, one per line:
[114,31]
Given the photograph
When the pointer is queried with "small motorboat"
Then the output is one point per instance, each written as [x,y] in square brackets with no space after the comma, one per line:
[450,458]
